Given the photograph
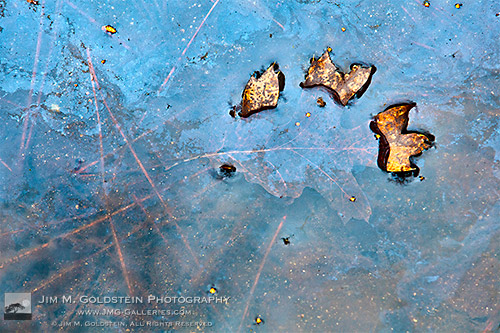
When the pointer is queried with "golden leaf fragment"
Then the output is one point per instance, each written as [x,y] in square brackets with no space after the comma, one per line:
[342,87]
[261,92]
[396,143]
[109,29]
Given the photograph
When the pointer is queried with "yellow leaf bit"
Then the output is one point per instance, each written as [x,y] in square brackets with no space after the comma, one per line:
[109,29]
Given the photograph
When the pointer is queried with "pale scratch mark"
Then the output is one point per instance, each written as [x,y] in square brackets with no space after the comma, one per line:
[54,35]
[91,19]
[117,125]
[143,169]
[5,165]
[10,102]
[408,13]
[493,323]
[423,45]
[280,25]
[79,263]
[112,225]
[323,172]
[33,79]
[279,174]
[99,126]
[120,257]
[152,222]
[80,170]
[252,290]
[187,47]
[11,232]
[75,7]
[66,270]
[149,131]
[75,231]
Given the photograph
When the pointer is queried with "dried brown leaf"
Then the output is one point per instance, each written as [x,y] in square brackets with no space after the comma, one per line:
[261,92]
[396,144]
[343,87]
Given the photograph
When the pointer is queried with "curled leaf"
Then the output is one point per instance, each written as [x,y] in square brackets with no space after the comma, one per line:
[396,144]
[261,92]
[342,87]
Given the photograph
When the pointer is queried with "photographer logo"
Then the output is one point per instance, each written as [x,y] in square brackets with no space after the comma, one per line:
[17,306]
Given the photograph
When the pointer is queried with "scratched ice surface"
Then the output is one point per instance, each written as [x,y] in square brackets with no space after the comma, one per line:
[110,147]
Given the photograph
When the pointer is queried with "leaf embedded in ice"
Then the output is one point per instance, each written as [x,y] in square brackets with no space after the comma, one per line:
[397,145]
[261,92]
[343,87]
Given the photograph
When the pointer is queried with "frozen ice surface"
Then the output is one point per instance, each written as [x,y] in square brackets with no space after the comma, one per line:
[110,146]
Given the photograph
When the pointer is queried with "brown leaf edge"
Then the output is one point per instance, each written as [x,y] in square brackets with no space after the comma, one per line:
[384,149]
[363,89]
[236,109]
